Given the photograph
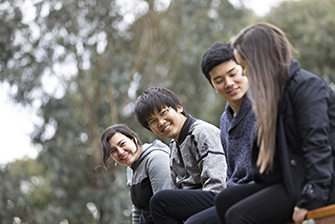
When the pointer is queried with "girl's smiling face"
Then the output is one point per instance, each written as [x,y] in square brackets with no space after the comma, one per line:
[123,150]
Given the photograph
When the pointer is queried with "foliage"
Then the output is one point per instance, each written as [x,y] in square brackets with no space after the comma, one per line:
[310,25]
[82,66]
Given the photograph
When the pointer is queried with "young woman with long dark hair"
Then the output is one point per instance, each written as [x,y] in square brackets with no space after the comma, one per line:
[293,156]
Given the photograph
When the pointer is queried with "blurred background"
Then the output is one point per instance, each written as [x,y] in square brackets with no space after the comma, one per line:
[69,69]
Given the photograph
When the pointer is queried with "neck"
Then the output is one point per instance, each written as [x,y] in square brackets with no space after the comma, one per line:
[181,127]
[236,105]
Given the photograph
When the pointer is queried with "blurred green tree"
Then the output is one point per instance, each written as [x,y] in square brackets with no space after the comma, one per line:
[82,66]
[310,25]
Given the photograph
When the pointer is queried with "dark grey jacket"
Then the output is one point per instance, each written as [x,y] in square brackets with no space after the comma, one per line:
[237,135]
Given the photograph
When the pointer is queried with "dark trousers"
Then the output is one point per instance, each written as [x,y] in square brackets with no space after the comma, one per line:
[254,204]
[179,206]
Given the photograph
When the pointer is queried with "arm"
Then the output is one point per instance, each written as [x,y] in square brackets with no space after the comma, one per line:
[311,107]
[211,159]
[158,169]
[136,214]
[223,135]
[299,214]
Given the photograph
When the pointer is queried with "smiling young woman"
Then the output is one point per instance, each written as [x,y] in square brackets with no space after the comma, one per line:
[293,158]
[148,169]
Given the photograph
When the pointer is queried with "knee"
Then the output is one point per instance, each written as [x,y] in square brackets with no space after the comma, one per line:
[232,216]
[157,200]
[193,220]
[189,221]
[222,198]
[223,204]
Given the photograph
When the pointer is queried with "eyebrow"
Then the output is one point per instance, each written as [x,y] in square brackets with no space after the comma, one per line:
[231,70]
[217,77]
[153,117]
[120,141]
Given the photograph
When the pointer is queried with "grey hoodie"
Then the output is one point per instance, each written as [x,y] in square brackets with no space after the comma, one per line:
[147,175]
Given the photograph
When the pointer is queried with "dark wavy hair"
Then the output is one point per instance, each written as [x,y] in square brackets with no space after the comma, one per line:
[110,132]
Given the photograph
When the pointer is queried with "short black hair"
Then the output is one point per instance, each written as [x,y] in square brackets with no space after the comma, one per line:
[151,99]
[217,54]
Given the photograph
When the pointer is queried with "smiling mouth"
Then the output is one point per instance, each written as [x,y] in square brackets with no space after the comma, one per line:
[123,158]
[232,91]
[166,128]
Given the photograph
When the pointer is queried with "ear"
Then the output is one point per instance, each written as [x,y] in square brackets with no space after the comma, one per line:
[214,88]
[135,140]
[180,108]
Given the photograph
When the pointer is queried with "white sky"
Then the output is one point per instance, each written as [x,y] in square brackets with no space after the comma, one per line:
[260,7]
[17,123]
[16,126]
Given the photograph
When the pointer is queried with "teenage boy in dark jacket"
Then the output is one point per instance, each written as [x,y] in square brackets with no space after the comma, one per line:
[237,124]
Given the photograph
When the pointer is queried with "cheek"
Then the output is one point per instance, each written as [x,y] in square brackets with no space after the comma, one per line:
[246,72]
[219,87]
[154,130]
[114,156]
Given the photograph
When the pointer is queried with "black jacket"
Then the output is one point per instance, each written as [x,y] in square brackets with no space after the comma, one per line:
[305,139]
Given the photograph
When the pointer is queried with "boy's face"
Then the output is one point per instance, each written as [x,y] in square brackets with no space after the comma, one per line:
[229,82]
[167,122]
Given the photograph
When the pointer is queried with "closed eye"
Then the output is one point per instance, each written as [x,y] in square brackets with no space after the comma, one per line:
[218,81]
[151,122]
[164,112]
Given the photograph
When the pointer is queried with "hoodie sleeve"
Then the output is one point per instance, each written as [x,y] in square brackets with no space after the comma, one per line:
[136,214]
[210,157]
[158,169]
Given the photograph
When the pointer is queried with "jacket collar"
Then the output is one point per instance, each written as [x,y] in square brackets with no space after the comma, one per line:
[244,109]
[185,129]
[292,69]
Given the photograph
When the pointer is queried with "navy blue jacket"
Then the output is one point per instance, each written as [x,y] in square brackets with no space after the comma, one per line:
[237,135]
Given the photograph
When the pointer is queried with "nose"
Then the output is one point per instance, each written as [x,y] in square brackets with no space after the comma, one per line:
[161,120]
[229,82]
[120,151]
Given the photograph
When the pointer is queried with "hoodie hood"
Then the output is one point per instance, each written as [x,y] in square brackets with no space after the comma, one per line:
[147,149]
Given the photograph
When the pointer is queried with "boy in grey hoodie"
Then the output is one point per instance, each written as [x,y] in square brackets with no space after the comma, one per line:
[197,160]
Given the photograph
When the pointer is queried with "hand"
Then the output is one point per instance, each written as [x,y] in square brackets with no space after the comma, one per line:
[299,215]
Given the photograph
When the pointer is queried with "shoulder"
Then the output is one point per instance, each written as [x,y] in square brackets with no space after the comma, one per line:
[304,77]
[306,84]
[223,116]
[203,126]
[205,132]
[156,147]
